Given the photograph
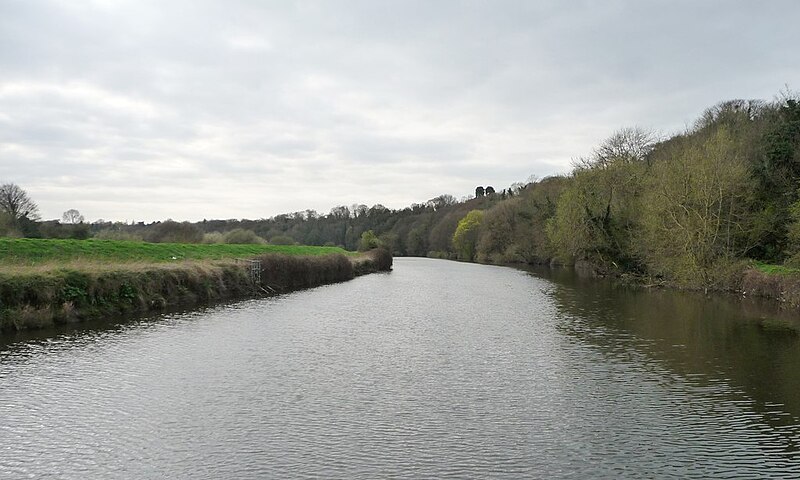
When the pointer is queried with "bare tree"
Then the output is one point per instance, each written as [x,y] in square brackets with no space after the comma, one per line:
[72,216]
[15,202]
[731,112]
[441,201]
[626,145]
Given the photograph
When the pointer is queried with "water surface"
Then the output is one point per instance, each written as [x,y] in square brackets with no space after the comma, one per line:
[435,370]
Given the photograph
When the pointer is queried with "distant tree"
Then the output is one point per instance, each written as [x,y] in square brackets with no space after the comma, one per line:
[730,113]
[281,240]
[441,201]
[7,226]
[340,213]
[489,190]
[241,236]
[174,232]
[15,202]
[416,242]
[441,234]
[466,235]
[479,192]
[378,210]
[497,234]
[72,217]
[213,237]
[517,187]
[359,210]
[627,145]
[389,241]
[368,241]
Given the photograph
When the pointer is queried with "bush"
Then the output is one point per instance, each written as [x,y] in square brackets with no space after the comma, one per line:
[287,240]
[7,228]
[368,241]
[376,260]
[213,237]
[174,232]
[283,273]
[111,234]
[241,236]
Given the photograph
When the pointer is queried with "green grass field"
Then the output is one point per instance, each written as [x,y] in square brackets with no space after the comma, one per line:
[776,269]
[34,252]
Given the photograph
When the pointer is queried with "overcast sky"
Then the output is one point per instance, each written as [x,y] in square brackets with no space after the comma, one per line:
[147,110]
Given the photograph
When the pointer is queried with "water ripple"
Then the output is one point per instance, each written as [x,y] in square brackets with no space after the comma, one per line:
[437,370]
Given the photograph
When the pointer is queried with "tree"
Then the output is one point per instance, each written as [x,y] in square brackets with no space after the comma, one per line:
[7,226]
[599,208]
[489,190]
[281,240]
[696,210]
[466,235]
[499,226]
[15,202]
[479,191]
[174,232]
[794,234]
[368,241]
[441,201]
[72,217]
[627,145]
[241,236]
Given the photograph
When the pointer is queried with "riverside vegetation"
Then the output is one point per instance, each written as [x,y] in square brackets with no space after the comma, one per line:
[43,282]
[714,207]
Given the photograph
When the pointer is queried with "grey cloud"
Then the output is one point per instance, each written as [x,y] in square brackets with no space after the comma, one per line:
[267,107]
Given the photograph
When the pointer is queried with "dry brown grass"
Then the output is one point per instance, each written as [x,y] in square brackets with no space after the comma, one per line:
[783,288]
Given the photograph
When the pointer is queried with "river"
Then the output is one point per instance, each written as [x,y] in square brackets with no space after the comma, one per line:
[436,370]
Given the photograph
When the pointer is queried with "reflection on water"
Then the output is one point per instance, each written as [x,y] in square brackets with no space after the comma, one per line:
[438,369]
[746,343]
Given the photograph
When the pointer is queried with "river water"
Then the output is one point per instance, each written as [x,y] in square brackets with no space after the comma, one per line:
[435,370]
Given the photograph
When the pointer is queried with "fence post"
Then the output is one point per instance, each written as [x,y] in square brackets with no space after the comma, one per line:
[253,271]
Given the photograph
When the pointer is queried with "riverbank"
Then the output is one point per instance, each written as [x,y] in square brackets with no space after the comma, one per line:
[781,287]
[774,283]
[41,296]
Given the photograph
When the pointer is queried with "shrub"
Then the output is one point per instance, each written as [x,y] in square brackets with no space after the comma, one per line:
[241,236]
[213,237]
[284,273]
[7,228]
[111,234]
[368,241]
[287,240]
[174,232]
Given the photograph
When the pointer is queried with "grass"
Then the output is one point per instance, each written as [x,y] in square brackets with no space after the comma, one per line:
[45,282]
[776,269]
[31,252]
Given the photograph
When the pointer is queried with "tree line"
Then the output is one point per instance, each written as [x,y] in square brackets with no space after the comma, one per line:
[691,208]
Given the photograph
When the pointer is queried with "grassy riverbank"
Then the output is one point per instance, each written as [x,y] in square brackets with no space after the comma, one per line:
[61,286]
[22,252]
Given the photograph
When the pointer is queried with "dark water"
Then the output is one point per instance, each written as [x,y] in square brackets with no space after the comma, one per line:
[438,369]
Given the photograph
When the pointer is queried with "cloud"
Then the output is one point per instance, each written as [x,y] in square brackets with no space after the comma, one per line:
[200,109]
